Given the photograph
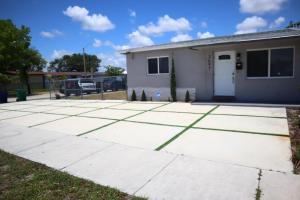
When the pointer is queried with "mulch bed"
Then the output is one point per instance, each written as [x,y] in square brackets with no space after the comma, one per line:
[293,115]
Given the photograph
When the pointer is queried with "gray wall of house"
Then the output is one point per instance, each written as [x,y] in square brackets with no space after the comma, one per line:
[194,69]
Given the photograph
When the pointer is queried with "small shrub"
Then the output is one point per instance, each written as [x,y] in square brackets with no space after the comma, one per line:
[133,96]
[187,96]
[143,98]
[57,96]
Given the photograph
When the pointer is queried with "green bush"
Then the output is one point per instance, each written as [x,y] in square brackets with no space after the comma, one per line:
[143,98]
[187,96]
[133,96]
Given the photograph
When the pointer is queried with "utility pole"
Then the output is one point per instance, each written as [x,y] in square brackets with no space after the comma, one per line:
[84,67]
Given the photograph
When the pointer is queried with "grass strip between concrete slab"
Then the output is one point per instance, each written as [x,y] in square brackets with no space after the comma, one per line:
[48,121]
[184,130]
[258,192]
[119,120]
[249,116]
[240,131]
[66,116]
[152,123]
[178,112]
[16,117]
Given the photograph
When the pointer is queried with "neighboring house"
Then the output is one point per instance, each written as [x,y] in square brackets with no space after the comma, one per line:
[36,80]
[40,80]
[257,67]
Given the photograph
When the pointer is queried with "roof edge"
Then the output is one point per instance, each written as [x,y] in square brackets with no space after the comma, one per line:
[193,43]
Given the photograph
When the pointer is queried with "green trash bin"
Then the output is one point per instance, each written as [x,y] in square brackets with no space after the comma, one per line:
[21,95]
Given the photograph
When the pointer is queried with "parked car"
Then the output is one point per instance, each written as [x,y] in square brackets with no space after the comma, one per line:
[87,85]
[77,86]
[70,86]
[113,84]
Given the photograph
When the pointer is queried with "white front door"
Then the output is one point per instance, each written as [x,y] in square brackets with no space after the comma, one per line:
[224,74]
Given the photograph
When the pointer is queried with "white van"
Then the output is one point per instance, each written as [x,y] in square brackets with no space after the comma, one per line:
[87,85]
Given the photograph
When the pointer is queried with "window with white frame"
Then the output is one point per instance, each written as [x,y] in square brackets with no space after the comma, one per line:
[158,65]
[277,62]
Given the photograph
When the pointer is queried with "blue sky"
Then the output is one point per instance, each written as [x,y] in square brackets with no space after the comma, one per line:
[103,27]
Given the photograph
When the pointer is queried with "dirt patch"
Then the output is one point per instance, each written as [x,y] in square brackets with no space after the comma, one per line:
[118,95]
[293,115]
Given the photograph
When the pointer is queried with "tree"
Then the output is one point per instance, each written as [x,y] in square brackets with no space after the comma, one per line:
[4,80]
[32,61]
[16,53]
[173,82]
[74,62]
[113,71]
[13,43]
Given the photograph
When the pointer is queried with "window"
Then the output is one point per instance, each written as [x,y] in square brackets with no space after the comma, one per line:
[257,63]
[152,66]
[270,63]
[159,65]
[282,62]
[164,65]
[224,57]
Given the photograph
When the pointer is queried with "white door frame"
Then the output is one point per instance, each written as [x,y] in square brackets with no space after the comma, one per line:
[224,78]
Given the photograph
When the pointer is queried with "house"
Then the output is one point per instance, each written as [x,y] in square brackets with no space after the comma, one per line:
[255,67]
[39,80]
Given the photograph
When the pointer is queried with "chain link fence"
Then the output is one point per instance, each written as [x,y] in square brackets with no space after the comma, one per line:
[111,87]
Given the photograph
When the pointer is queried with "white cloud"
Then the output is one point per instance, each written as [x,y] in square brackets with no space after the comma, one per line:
[165,24]
[59,53]
[120,47]
[51,34]
[115,59]
[251,25]
[277,22]
[137,39]
[132,13]
[260,6]
[203,24]
[181,37]
[94,22]
[205,35]
[97,43]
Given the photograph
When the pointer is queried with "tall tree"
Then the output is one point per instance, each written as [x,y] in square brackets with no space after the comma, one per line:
[113,71]
[74,62]
[32,62]
[173,82]
[16,53]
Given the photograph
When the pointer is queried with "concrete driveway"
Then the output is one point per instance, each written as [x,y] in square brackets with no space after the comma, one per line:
[159,150]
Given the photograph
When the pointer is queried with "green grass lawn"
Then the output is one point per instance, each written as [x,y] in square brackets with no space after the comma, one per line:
[24,179]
